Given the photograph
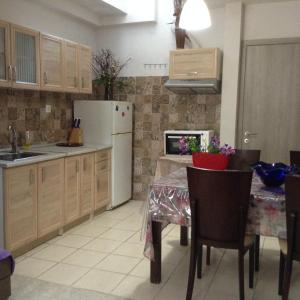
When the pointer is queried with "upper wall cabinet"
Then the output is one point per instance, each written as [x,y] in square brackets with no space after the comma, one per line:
[5,68]
[85,75]
[51,63]
[71,67]
[33,60]
[25,58]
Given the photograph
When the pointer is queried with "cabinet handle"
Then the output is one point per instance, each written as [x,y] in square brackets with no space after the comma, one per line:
[77,166]
[43,174]
[31,177]
[98,184]
[82,82]
[75,81]
[84,164]
[14,73]
[193,73]
[45,78]
[9,73]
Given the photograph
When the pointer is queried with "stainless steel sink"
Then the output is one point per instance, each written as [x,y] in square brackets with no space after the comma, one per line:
[18,156]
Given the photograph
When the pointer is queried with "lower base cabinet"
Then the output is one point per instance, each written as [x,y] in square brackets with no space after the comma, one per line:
[20,192]
[50,196]
[41,198]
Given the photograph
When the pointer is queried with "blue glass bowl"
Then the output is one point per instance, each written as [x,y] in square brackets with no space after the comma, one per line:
[273,175]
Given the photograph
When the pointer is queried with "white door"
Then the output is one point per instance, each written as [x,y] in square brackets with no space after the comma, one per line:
[122,117]
[121,168]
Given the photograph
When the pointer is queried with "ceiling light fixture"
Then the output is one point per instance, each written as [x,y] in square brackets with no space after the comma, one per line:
[195,15]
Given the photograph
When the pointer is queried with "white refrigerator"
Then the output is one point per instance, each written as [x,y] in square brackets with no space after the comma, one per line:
[110,123]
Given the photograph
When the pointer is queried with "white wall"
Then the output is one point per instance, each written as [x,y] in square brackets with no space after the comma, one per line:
[150,43]
[38,17]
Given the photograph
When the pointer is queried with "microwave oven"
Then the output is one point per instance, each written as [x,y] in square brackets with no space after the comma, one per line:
[172,137]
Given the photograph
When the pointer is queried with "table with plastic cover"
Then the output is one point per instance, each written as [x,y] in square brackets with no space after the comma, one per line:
[168,202]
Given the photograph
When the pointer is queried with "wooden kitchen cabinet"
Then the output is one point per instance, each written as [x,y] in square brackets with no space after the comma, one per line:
[50,196]
[71,67]
[87,169]
[85,74]
[195,64]
[51,49]
[25,57]
[72,189]
[5,67]
[20,192]
[102,179]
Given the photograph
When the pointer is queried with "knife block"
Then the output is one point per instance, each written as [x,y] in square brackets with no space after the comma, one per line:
[75,136]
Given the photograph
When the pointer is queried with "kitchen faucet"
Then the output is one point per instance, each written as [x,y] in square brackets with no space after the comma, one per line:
[13,139]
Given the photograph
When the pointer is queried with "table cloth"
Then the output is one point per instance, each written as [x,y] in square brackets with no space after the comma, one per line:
[168,202]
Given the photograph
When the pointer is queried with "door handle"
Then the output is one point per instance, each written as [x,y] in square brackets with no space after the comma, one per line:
[248,133]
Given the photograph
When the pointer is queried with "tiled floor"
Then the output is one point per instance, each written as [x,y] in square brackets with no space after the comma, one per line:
[103,259]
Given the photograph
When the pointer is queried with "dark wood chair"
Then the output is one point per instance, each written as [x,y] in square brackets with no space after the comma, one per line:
[290,248]
[219,206]
[5,273]
[295,158]
[242,160]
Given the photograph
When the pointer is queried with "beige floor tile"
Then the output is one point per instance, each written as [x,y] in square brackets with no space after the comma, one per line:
[173,255]
[104,221]
[36,249]
[132,250]
[90,230]
[19,258]
[102,245]
[32,267]
[143,270]
[85,258]
[98,280]
[64,274]
[73,241]
[128,224]
[271,244]
[136,239]
[136,288]
[118,214]
[171,292]
[175,231]
[117,235]
[54,253]
[118,264]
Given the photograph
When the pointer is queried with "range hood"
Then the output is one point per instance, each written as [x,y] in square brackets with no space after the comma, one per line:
[193,87]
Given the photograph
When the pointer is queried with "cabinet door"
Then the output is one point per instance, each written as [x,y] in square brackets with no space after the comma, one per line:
[85,69]
[51,63]
[20,206]
[72,189]
[195,64]
[25,58]
[87,184]
[50,196]
[102,184]
[5,67]
[71,68]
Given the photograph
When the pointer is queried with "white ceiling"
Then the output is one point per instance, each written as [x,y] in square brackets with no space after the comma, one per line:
[99,7]
[221,3]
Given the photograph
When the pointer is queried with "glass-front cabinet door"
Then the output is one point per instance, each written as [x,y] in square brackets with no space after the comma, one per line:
[5,67]
[25,57]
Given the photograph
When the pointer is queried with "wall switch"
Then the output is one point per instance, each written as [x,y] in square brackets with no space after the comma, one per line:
[48,108]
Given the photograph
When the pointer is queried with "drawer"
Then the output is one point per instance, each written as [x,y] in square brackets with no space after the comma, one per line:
[102,166]
[101,155]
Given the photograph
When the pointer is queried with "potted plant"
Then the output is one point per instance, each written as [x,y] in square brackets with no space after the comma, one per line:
[211,156]
[106,69]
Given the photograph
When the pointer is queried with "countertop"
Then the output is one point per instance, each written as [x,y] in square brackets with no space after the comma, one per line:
[50,152]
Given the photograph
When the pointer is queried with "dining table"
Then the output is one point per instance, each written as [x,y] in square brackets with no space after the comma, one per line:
[168,203]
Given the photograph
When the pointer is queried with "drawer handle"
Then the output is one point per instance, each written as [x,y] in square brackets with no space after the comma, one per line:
[77,166]
[43,174]
[193,73]
[84,165]
[31,177]
[45,78]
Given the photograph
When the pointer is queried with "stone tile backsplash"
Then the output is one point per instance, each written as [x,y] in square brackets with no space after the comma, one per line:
[26,110]
[155,110]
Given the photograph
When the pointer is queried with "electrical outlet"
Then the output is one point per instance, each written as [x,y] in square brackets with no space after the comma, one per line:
[48,108]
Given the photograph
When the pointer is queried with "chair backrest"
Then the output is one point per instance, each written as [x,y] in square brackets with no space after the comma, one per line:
[243,159]
[295,158]
[219,203]
[292,195]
